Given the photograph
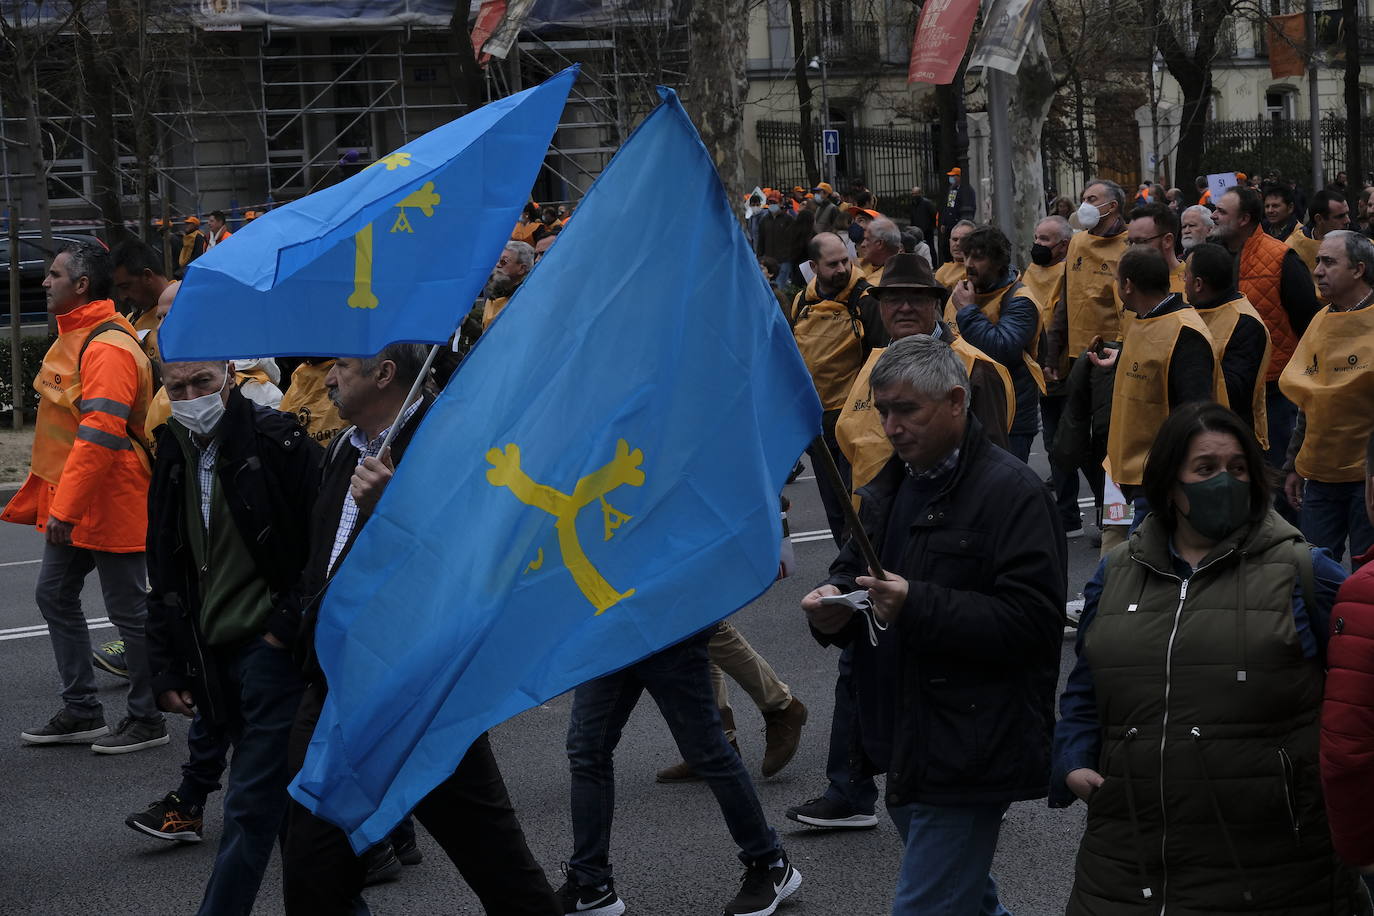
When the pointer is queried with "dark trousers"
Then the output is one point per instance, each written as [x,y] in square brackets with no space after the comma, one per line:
[679,680]
[200,774]
[857,791]
[1282,416]
[832,501]
[469,814]
[1333,513]
[266,688]
[1064,481]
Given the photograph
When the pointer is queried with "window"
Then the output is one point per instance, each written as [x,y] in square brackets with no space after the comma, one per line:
[1280,104]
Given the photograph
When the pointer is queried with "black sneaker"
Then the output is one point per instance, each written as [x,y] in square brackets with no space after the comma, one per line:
[408,852]
[65,728]
[170,819]
[822,812]
[382,864]
[601,900]
[764,887]
[132,735]
[110,657]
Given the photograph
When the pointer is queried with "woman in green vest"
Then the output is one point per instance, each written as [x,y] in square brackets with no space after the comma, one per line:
[1190,722]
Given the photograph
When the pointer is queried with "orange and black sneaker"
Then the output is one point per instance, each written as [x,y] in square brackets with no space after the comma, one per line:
[170,819]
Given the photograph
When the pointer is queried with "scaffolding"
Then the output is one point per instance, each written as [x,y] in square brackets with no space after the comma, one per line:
[269,111]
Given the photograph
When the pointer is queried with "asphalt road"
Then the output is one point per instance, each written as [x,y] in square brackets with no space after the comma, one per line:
[65,848]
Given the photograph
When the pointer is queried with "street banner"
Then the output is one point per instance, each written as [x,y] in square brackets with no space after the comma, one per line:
[941,38]
[1008,29]
[597,482]
[394,253]
[1287,44]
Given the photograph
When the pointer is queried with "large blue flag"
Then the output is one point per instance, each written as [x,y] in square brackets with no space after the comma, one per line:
[598,481]
[394,253]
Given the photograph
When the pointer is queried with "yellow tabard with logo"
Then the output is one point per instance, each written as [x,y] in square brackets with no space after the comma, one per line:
[1176,278]
[1140,398]
[1090,289]
[1307,250]
[308,399]
[1046,286]
[1221,322]
[1331,379]
[830,340]
[859,430]
[991,304]
[950,275]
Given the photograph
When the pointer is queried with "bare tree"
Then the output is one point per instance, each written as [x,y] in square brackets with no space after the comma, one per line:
[718,83]
[1188,46]
[1354,108]
[803,80]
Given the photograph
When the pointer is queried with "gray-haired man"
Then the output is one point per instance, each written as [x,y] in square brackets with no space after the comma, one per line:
[963,633]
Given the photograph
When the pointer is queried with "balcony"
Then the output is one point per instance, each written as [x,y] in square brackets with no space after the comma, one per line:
[844,43]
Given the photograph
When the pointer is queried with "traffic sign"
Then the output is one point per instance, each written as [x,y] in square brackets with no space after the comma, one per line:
[830,141]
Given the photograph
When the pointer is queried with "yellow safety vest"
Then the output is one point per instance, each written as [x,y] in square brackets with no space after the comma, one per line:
[950,275]
[830,338]
[1221,321]
[991,304]
[1331,379]
[1140,398]
[491,309]
[308,399]
[859,430]
[1176,278]
[1090,289]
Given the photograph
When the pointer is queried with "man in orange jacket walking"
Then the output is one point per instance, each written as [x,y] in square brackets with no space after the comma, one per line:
[87,491]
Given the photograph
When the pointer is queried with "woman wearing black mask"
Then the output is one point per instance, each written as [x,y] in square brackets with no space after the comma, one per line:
[1190,722]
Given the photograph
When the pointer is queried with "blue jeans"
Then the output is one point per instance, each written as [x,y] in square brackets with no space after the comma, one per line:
[679,681]
[947,854]
[1282,415]
[1332,512]
[266,688]
[784,278]
[860,793]
[200,774]
[1063,480]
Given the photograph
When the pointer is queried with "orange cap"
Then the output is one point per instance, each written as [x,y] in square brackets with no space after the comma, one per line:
[192,220]
[956,171]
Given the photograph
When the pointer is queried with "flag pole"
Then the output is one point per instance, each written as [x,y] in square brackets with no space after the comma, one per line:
[414,392]
[826,465]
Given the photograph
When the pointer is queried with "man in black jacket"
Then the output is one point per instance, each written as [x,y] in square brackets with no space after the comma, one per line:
[228,508]
[957,658]
[469,813]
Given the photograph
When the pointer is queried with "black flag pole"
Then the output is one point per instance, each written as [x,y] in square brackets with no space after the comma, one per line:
[826,465]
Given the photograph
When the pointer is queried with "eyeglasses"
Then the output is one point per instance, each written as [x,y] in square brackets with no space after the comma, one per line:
[1153,238]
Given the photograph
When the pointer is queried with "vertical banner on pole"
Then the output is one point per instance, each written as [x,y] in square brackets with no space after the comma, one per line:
[942,34]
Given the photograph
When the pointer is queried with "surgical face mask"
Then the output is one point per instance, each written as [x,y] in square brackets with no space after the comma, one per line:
[1042,255]
[1217,506]
[952,180]
[201,415]
[772,208]
[1088,215]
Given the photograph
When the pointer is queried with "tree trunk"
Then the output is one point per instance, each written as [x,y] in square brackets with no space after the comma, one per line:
[98,97]
[469,85]
[39,156]
[1354,129]
[1032,94]
[808,148]
[718,83]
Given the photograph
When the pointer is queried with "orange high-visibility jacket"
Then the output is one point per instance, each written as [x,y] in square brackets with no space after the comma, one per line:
[86,469]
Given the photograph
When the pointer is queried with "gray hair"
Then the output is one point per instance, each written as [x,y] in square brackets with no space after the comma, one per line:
[1358,250]
[409,359]
[1114,190]
[524,252]
[91,260]
[1061,226]
[885,232]
[962,223]
[1202,211]
[928,365]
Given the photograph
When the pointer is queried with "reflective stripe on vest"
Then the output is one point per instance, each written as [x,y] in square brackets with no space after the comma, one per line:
[1140,397]
[1331,379]
[1221,322]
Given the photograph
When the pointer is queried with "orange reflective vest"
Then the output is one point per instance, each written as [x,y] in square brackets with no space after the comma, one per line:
[1260,277]
[308,398]
[90,466]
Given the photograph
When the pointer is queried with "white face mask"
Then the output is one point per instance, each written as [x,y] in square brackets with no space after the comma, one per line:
[201,415]
[1088,215]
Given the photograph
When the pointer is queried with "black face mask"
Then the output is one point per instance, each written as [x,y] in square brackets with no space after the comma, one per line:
[1042,255]
[856,233]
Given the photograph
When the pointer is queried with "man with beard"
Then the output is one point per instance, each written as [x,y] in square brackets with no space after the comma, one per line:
[511,270]
[1197,225]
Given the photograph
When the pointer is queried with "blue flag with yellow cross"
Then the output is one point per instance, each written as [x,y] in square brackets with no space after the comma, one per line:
[397,252]
[598,481]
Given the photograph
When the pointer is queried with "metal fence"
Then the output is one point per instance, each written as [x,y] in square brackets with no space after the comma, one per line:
[1263,144]
[888,161]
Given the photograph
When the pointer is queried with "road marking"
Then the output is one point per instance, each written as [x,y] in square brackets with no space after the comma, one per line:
[95,623]
[804,537]
[20,563]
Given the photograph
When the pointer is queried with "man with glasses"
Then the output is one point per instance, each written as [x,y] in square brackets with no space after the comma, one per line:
[1157,226]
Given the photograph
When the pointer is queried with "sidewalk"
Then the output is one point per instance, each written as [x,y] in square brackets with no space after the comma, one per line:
[15,448]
